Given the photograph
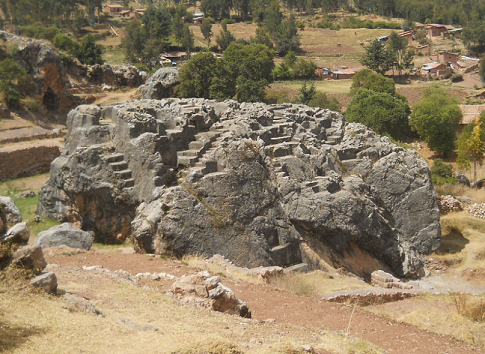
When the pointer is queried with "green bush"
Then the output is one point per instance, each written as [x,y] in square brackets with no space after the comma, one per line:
[441,169]
[67,44]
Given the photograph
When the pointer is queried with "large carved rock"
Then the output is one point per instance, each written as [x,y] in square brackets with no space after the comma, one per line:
[261,185]
[160,85]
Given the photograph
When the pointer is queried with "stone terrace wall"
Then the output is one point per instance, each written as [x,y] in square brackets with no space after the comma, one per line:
[27,162]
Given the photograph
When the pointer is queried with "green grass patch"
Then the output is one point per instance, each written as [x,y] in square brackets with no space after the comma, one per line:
[28,206]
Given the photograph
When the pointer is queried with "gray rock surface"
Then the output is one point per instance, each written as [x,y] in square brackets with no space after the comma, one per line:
[46,281]
[9,213]
[29,257]
[19,233]
[65,234]
[117,76]
[204,290]
[263,185]
[77,303]
[160,85]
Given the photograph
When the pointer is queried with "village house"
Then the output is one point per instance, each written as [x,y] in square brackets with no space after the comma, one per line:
[447,58]
[435,68]
[198,18]
[436,30]
[328,74]
[113,8]
[408,35]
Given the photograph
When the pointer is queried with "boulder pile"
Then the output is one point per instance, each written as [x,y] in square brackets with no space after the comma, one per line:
[262,185]
[477,210]
[448,203]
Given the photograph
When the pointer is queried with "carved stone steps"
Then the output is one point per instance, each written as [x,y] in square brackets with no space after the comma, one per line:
[280,139]
[125,174]
[127,183]
[119,166]
[115,158]
[187,161]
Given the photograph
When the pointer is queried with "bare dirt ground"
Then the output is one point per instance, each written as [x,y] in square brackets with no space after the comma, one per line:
[267,302]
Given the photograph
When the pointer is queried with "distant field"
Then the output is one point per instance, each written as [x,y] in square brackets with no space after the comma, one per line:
[335,86]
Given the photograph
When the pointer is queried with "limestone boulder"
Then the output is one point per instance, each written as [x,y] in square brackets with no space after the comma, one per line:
[46,281]
[19,233]
[29,257]
[9,213]
[263,185]
[65,234]
[160,85]
[204,290]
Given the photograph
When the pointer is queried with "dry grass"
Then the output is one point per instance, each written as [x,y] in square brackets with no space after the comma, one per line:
[34,322]
[469,306]
[475,195]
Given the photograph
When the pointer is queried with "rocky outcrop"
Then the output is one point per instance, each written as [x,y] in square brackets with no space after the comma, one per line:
[19,233]
[55,79]
[263,185]
[160,85]
[116,76]
[65,234]
[50,80]
[9,213]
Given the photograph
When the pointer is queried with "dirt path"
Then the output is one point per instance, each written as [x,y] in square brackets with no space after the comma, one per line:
[284,307]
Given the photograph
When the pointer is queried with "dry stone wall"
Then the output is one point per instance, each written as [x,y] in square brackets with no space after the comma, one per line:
[27,162]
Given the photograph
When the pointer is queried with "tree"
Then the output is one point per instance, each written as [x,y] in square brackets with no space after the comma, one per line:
[286,37]
[243,73]
[304,69]
[262,37]
[377,57]
[225,38]
[187,39]
[90,52]
[379,111]
[473,37]
[401,58]
[133,42]
[471,146]
[307,93]
[196,76]
[178,27]
[206,29]
[368,79]
[14,82]
[436,119]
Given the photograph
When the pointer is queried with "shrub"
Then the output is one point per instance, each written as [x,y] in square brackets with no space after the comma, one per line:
[67,44]
[457,77]
[31,104]
[469,306]
[441,169]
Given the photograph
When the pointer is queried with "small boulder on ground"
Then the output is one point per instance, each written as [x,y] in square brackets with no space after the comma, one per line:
[9,212]
[29,257]
[19,233]
[65,234]
[78,303]
[204,290]
[25,194]
[46,281]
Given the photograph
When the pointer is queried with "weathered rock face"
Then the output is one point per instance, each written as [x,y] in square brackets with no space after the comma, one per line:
[160,85]
[262,185]
[116,76]
[55,79]
[45,66]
